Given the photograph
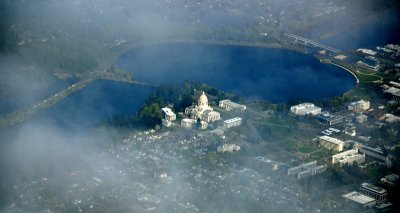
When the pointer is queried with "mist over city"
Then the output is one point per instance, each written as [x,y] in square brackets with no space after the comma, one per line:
[199,106]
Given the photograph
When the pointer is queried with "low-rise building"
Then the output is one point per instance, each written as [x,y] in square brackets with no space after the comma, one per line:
[203,125]
[348,157]
[230,105]
[305,109]
[390,180]
[360,105]
[390,118]
[375,153]
[373,191]
[169,115]
[166,123]
[360,199]
[327,118]
[331,143]
[307,169]
[232,122]
[228,148]
[187,122]
[361,118]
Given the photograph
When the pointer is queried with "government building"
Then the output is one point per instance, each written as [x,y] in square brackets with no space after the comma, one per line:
[202,110]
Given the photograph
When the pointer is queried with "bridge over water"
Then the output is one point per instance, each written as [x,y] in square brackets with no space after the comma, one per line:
[16,117]
[308,41]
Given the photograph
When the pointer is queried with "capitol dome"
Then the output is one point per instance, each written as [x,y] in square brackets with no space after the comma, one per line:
[203,100]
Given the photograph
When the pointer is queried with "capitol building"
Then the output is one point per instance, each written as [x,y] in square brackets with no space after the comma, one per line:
[202,110]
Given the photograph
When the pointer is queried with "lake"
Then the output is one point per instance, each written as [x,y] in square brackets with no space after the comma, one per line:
[275,75]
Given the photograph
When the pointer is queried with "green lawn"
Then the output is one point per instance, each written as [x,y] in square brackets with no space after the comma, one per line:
[306,149]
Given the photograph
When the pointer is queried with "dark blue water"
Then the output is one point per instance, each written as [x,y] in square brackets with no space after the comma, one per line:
[359,30]
[271,74]
[96,103]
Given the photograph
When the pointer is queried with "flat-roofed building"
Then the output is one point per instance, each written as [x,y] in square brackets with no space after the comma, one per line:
[187,122]
[390,180]
[361,118]
[331,143]
[327,118]
[360,199]
[203,125]
[166,123]
[375,153]
[232,122]
[359,105]
[307,169]
[373,191]
[168,114]
[230,105]
[390,118]
[348,157]
[305,109]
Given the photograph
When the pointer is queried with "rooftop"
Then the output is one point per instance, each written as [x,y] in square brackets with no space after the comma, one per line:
[373,188]
[167,111]
[332,140]
[233,120]
[358,197]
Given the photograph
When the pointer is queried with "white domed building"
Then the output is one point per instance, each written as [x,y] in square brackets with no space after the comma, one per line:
[202,110]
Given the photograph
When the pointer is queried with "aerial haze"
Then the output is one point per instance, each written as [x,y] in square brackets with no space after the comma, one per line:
[84,87]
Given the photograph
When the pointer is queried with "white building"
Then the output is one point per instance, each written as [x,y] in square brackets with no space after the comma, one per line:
[228,148]
[203,125]
[361,118]
[229,105]
[232,122]
[307,169]
[373,191]
[360,199]
[187,122]
[331,143]
[359,105]
[168,114]
[166,123]
[305,109]
[348,157]
[390,118]
[202,110]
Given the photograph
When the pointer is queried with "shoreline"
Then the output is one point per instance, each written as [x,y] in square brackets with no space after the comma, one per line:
[338,65]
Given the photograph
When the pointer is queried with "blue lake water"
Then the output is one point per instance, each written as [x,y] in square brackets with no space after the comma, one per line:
[275,75]
[96,103]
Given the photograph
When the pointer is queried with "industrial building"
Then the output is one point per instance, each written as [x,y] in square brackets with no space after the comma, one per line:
[229,105]
[232,122]
[360,105]
[305,109]
[360,199]
[307,169]
[327,118]
[348,157]
[373,191]
[331,143]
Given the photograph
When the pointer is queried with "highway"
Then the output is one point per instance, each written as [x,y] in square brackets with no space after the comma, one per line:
[20,116]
